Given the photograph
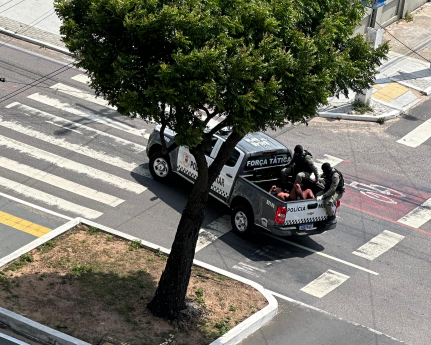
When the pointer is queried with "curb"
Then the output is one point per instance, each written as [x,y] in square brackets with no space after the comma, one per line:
[35,41]
[387,116]
[53,337]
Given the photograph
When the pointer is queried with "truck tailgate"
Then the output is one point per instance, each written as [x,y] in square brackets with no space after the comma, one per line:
[305,211]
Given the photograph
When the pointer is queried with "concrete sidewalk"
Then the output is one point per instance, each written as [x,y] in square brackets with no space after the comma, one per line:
[297,324]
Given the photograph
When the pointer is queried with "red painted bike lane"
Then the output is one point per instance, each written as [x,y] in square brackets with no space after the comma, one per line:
[384,196]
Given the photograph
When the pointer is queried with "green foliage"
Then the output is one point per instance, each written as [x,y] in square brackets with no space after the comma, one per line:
[381,120]
[93,230]
[222,326]
[361,107]
[408,17]
[80,269]
[222,278]
[200,297]
[23,260]
[136,244]
[260,62]
[109,238]
[46,247]
[233,308]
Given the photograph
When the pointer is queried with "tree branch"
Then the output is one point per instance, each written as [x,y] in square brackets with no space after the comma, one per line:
[209,115]
[216,128]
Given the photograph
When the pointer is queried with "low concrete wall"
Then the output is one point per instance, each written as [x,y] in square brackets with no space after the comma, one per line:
[391,12]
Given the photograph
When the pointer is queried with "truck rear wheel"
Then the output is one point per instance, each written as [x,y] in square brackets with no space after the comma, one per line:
[160,167]
[242,220]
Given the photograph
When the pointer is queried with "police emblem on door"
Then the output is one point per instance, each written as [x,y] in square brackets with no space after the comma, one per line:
[186,160]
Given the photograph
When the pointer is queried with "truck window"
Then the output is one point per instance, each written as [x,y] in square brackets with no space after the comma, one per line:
[233,158]
[211,146]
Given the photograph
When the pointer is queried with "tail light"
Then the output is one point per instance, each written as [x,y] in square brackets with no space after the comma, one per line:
[280,215]
[338,205]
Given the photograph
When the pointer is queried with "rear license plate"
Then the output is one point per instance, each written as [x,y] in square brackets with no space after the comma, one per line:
[308,226]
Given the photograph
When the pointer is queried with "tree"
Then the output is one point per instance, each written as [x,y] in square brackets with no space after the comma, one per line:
[258,63]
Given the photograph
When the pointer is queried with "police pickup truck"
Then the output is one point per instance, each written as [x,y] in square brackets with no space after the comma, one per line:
[244,182]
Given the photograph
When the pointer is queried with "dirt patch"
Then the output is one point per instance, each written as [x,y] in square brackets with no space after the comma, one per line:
[91,285]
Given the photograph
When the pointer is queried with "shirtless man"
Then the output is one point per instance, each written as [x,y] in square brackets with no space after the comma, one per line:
[295,194]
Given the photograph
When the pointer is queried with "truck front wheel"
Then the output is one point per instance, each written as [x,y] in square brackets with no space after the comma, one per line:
[160,167]
[242,220]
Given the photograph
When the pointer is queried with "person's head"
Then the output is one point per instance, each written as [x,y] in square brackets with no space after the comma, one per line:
[326,168]
[298,150]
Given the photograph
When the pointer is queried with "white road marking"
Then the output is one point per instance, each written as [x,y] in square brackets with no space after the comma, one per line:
[80,149]
[29,111]
[324,284]
[417,136]
[378,245]
[82,78]
[419,216]
[53,102]
[321,254]
[243,267]
[213,231]
[329,159]
[86,96]
[60,182]
[72,165]
[66,128]
[49,199]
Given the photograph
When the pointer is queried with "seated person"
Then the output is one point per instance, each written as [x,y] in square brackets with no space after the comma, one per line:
[295,194]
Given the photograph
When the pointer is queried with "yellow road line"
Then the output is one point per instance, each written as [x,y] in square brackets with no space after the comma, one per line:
[23,225]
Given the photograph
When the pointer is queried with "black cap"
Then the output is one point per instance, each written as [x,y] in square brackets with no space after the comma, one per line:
[298,149]
[326,167]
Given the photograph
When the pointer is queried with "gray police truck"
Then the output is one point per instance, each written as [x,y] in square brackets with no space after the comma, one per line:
[244,182]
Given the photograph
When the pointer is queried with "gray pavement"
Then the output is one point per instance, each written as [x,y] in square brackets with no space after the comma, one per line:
[297,324]
[11,238]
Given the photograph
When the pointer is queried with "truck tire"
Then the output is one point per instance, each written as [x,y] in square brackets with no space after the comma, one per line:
[160,167]
[242,220]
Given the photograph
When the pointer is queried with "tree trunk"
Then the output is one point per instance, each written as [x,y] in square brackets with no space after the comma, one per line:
[170,295]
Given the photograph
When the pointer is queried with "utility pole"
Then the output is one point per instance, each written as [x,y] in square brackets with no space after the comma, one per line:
[374,36]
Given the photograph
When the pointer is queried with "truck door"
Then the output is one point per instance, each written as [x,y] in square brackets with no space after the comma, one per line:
[225,181]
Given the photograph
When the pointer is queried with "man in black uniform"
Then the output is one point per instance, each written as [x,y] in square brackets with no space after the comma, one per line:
[303,167]
[333,191]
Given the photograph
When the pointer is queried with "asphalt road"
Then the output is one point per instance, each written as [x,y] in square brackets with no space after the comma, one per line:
[51,131]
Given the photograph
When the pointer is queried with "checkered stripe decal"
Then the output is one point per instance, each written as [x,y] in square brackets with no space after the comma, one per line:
[219,191]
[187,172]
[195,176]
[305,220]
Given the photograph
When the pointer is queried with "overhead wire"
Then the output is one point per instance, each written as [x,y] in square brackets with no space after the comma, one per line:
[414,51]
[10,6]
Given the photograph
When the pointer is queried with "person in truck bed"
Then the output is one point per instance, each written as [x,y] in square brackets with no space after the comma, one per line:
[295,194]
[301,167]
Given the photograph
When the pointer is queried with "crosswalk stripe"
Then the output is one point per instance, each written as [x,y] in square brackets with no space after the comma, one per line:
[60,182]
[419,216]
[72,165]
[23,225]
[82,78]
[325,283]
[86,96]
[25,109]
[378,245]
[417,136]
[83,150]
[53,102]
[213,231]
[329,159]
[49,199]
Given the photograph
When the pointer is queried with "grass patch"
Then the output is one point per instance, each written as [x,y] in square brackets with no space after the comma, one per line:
[222,278]
[79,270]
[223,327]
[381,120]
[23,260]
[408,17]
[93,230]
[136,244]
[109,238]
[46,247]
[233,308]
[361,107]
